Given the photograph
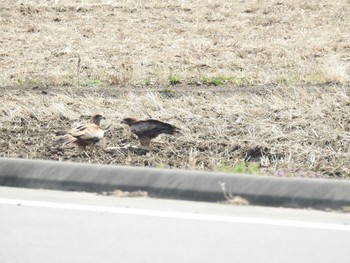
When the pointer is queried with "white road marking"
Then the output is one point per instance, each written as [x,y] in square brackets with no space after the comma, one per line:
[178,215]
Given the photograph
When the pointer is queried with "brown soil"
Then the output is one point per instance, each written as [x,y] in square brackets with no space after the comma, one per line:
[285,131]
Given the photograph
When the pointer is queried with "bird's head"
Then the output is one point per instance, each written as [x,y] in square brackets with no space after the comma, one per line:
[97,118]
[128,121]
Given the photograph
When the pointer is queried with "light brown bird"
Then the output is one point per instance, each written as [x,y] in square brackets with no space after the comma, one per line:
[146,130]
[84,135]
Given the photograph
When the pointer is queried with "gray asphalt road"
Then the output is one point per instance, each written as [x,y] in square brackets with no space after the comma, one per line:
[52,226]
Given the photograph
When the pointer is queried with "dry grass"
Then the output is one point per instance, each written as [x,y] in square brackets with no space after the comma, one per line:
[286,131]
[134,42]
[294,123]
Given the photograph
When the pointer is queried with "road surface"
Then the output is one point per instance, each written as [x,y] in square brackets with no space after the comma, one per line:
[53,226]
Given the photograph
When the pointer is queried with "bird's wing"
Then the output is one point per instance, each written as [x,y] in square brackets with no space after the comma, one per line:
[144,127]
[66,139]
[87,131]
[152,128]
[92,133]
[78,131]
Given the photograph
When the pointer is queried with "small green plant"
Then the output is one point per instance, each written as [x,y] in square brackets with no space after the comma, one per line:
[161,165]
[21,81]
[242,167]
[148,82]
[30,82]
[222,80]
[173,80]
[216,81]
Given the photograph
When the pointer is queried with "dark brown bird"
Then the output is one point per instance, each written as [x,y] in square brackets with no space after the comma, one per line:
[146,130]
[84,135]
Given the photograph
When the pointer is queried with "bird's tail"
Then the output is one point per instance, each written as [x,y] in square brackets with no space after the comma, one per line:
[66,139]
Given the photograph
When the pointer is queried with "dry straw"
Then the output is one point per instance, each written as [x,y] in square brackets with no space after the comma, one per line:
[133,42]
[285,131]
[295,123]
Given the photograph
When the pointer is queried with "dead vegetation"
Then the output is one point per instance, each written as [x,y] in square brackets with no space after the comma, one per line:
[285,131]
[284,65]
[60,42]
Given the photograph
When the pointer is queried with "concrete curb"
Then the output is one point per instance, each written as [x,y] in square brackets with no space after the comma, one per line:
[175,184]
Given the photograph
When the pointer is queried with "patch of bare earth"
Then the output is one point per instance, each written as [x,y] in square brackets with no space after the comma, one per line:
[286,131]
